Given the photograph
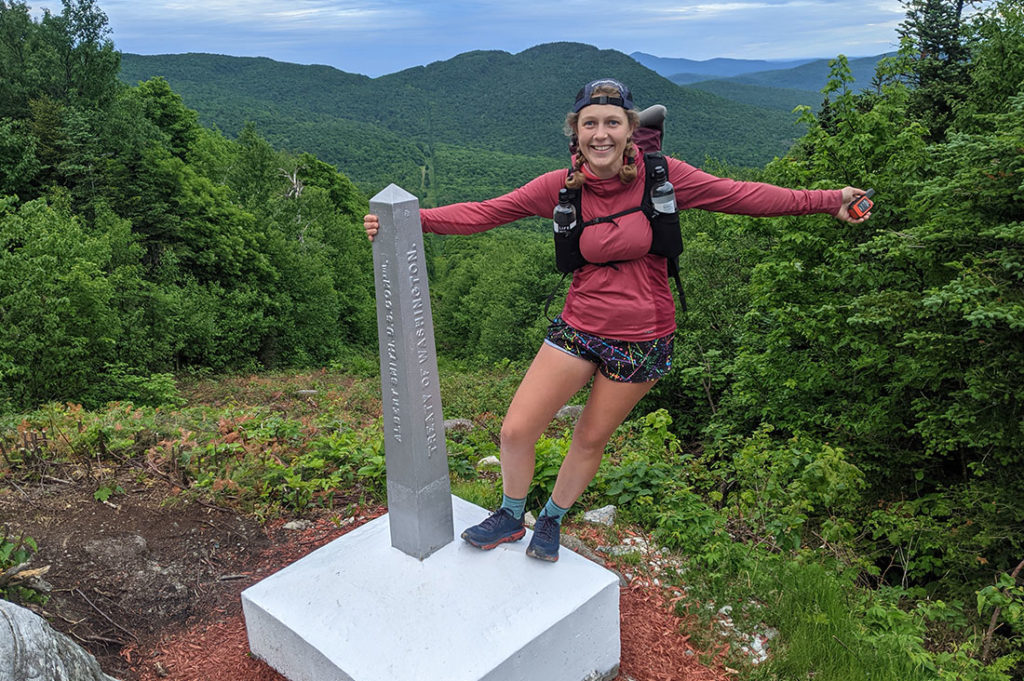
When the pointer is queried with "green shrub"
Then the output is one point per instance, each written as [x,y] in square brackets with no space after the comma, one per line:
[15,551]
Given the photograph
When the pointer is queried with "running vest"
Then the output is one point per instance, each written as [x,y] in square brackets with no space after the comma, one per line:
[666,236]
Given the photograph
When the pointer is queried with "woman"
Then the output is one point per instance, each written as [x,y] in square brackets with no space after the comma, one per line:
[618,321]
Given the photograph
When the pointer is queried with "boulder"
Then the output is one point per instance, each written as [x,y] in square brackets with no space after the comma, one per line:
[570,412]
[465,425]
[601,516]
[489,462]
[32,651]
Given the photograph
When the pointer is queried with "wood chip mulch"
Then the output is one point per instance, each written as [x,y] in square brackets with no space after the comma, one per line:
[653,645]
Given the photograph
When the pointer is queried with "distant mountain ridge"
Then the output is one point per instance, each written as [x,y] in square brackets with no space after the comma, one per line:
[797,74]
[490,101]
[677,69]
[780,85]
[813,75]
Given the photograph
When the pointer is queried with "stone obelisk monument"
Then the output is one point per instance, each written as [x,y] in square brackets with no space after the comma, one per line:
[419,493]
[396,599]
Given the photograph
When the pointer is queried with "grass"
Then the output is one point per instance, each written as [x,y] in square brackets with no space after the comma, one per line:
[483,493]
[824,631]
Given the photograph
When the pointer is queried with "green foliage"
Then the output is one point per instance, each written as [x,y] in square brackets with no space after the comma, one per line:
[645,471]
[68,57]
[845,408]
[997,64]
[550,454]
[281,465]
[489,304]
[934,33]
[139,242]
[779,486]
[829,637]
[58,325]
[16,551]
[107,490]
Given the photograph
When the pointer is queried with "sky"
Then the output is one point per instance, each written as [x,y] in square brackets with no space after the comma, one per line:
[377,37]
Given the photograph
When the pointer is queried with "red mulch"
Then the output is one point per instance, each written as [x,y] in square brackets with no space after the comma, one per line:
[653,645]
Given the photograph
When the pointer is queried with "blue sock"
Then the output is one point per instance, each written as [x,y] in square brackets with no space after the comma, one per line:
[517,506]
[553,510]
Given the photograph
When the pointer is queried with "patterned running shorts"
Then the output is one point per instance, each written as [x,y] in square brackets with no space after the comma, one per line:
[622,361]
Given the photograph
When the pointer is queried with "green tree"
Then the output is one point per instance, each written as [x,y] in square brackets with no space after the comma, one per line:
[934,31]
[997,65]
[165,109]
[489,295]
[57,327]
[81,62]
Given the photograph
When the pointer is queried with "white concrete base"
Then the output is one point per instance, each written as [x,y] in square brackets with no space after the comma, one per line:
[359,610]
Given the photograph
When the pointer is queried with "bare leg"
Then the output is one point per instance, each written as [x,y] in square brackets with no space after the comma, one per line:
[608,406]
[553,377]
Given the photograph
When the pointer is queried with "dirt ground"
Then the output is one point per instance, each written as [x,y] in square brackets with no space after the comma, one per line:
[149,583]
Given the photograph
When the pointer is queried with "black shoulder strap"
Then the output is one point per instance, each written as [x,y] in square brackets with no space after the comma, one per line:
[652,161]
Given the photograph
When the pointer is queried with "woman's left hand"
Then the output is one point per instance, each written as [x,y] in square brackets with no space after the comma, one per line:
[851,194]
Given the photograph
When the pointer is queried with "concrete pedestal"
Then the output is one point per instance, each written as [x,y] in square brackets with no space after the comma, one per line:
[358,609]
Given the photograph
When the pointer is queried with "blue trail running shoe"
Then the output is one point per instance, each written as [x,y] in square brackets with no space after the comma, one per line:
[498,528]
[544,544]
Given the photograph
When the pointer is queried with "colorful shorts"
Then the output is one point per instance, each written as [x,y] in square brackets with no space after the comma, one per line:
[619,360]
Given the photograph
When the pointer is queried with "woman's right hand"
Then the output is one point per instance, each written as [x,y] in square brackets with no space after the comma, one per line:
[371,224]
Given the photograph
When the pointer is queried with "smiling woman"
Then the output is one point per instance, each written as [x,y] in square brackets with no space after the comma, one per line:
[617,326]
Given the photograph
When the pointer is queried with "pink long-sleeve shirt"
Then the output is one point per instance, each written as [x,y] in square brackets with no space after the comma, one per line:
[632,300]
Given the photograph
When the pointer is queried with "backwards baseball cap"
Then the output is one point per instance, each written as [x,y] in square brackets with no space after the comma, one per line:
[586,96]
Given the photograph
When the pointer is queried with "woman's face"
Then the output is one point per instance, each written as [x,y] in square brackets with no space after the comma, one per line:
[602,130]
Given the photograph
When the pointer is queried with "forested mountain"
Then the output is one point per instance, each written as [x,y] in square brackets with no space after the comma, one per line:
[679,69]
[795,74]
[811,76]
[781,98]
[778,88]
[389,128]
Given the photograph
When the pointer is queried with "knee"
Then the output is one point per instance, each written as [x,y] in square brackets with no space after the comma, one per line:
[588,444]
[516,435]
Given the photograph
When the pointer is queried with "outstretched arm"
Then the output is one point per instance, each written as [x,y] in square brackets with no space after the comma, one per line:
[537,197]
[698,189]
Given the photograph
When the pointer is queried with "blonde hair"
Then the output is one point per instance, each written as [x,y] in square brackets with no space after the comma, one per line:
[628,171]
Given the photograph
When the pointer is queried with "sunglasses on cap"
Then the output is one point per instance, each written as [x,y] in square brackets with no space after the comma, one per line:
[586,97]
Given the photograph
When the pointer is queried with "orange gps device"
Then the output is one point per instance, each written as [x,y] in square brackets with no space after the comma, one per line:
[860,206]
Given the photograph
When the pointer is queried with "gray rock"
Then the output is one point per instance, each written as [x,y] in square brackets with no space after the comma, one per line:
[569,411]
[489,462]
[116,550]
[458,424]
[529,520]
[32,651]
[298,525]
[617,550]
[601,516]
[306,393]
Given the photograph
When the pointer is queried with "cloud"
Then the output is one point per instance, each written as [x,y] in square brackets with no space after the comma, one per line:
[266,15]
[382,36]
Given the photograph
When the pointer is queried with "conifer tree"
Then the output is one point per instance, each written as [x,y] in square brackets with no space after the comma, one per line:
[934,31]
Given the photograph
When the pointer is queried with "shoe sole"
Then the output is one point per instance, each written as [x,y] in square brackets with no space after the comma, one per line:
[542,556]
[515,536]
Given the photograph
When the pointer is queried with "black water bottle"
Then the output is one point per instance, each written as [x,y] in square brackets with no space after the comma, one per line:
[663,194]
[565,214]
